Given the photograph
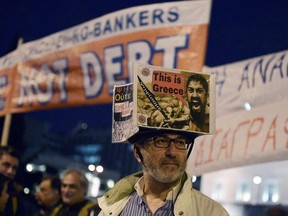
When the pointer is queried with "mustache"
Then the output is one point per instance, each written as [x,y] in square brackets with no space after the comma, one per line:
[170,160]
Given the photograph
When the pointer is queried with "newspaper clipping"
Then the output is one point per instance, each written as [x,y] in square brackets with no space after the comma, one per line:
[122,127]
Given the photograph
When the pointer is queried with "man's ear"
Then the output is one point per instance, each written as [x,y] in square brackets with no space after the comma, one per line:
[137,153]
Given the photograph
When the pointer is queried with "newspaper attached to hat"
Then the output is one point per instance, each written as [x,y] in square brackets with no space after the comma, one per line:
[163,99]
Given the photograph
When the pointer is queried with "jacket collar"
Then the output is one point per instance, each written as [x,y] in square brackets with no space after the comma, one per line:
[125,187]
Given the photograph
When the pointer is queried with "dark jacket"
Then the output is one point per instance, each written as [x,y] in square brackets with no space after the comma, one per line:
[80,209]
[15,203]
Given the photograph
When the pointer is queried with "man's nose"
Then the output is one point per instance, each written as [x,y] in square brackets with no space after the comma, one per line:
[64,189]
[10,170]
[194,94]
[171,149]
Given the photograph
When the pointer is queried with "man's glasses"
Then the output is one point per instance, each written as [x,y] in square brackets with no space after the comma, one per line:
[164,142]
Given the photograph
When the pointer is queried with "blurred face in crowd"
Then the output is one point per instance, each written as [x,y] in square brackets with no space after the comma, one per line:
[8,165]
[72,190]
[164,157]
[3,198]
[197,96]
[47,196]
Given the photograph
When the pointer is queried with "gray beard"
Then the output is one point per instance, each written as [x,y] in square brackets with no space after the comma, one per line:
[161,176]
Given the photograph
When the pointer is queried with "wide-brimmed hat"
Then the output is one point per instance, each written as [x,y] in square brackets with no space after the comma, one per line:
[144,131]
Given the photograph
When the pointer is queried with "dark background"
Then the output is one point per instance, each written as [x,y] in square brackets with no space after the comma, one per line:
[239,30]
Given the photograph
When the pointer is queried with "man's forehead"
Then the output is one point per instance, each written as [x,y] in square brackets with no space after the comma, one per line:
[46,183]
[70,183]
[195,82]
[71,178]
[7,157]
[163,134]
[149,133]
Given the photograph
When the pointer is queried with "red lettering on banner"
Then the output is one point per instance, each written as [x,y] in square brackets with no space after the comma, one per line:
[224,146]
[199,158]
[229,144]
[251,133]
[234,135]
[286,131]
[271,135]
[211,149]
[200,153]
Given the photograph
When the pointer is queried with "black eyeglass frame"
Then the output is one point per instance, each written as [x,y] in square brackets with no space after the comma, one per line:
[169,141]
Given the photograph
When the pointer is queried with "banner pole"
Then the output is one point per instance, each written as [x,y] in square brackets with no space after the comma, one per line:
[8,116]
[6,129]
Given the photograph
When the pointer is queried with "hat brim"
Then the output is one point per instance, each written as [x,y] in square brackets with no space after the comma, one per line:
[144,131]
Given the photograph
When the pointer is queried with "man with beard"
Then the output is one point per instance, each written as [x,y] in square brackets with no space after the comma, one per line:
[163,187]
[197,94]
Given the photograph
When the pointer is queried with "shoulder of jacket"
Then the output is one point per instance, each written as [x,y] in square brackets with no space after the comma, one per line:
[56,210]
[85,209]
[209,203]
[124,187]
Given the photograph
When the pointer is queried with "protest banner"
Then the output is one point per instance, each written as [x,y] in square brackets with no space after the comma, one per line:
[251,119]
[80,65]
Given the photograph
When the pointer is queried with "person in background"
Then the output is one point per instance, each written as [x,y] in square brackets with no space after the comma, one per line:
[3,192]
[49,195]
[197,91]
[162,187]
[9,162]
[74,187]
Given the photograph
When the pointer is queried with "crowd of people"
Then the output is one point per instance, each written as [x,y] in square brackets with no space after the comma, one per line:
[56,196]
[161,188]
